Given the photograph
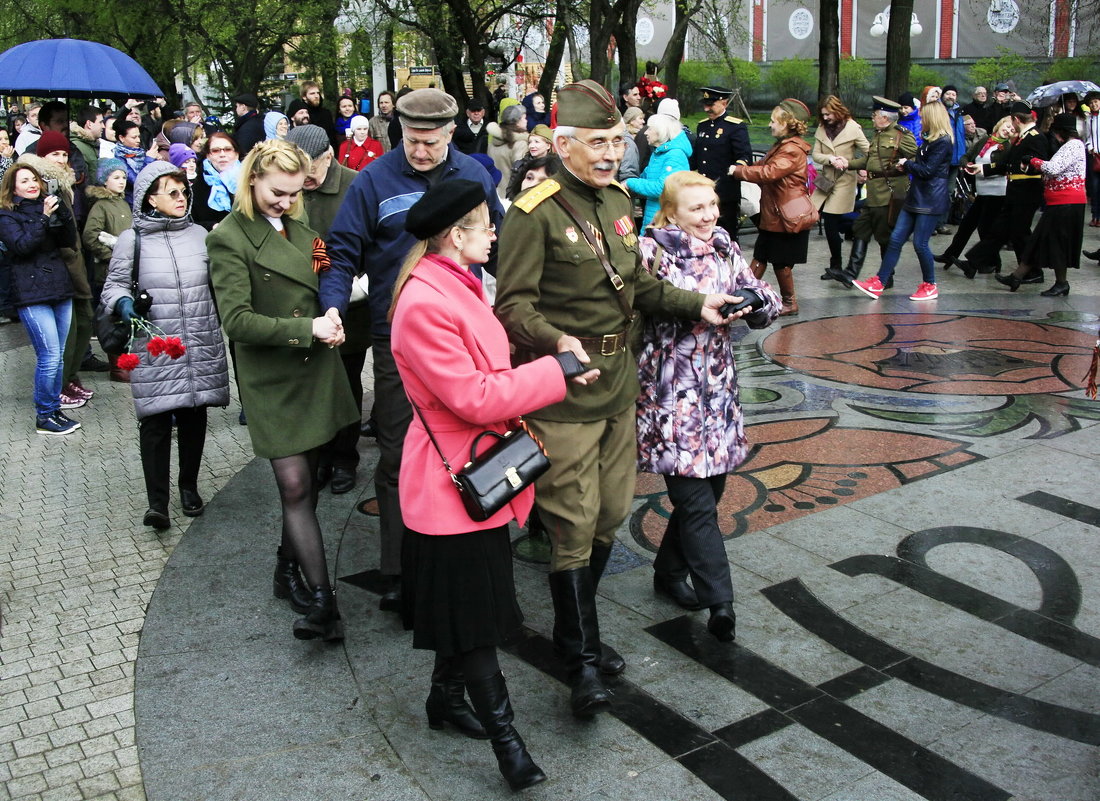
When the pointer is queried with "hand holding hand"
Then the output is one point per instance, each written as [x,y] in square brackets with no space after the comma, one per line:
[573,345]
[327,331]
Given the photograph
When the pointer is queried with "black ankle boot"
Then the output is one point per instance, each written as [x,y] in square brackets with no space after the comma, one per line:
[494,709]
[723,622]
[577,639]
[322,619]
[1010,280]
[1059,290]
[288,585]
[447,701]
[611,661]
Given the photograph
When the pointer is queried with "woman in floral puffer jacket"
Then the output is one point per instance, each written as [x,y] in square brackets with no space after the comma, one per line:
[689,417]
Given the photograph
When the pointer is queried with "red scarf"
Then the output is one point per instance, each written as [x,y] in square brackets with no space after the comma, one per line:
[461,273]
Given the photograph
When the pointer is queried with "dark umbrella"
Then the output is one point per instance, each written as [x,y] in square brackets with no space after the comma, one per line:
[1050,94]
[73,68]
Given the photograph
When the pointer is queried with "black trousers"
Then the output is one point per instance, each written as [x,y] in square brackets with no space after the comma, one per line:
[392,415]
[155,443]
[981,217]
[693,541]
[1013,225]
[343,449]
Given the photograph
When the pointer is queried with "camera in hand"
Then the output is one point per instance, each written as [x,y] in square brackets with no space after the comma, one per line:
[143,301]
[750,299]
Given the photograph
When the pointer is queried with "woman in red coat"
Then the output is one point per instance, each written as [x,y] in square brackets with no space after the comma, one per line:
[359,150]
[454,361]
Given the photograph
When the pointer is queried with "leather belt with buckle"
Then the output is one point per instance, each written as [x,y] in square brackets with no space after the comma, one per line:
[607,345]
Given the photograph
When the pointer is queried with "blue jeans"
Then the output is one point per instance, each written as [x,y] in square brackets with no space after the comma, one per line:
[921,227]
[47,325]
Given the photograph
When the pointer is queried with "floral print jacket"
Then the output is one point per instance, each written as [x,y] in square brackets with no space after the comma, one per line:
[689,415]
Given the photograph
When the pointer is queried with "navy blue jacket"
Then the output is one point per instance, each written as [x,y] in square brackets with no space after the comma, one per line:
[928,190]
[38,273]
[368,235]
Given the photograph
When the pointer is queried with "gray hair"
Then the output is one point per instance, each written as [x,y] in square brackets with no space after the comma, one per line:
[890,115]
[511,115]
[664,127]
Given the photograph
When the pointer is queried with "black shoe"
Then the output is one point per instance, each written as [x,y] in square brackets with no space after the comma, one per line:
[945,260]
[723,622]
[391,598]
[191,502]
[324,473]
[968,269]
[368,429]
[157,519]
[987,269]
[611,661]
[889,283]
[1032,278]
[1092,254]
[836,274]
[494,709]
[322,618]
[577,639]
[676,589]
[943,230]
[343,480]
[447,701]
[287,583]
[1010,280]
[93,364]
[1059,290]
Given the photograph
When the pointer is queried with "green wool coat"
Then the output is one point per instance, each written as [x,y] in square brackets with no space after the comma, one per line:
[293,389]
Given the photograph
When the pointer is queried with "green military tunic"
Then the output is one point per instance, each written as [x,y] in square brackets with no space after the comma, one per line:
[883,176]
[550,283]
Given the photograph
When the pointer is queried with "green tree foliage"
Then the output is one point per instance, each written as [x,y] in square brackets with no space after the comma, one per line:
[1007,65]
[921,76]
[1071,69]
[856,75]
[794,77]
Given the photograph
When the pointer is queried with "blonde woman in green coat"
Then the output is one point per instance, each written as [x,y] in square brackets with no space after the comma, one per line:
[292,382]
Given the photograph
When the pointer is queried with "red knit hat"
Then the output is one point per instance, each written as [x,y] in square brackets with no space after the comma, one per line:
[51,141]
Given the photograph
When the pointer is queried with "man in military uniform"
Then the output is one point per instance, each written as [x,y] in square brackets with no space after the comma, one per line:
[721,141]
[1023,197]
[569,278]
[879,166]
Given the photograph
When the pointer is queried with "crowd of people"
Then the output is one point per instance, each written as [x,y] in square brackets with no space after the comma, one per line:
[573,263]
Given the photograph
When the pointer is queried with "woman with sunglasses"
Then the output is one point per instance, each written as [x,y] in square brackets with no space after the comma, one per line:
[170,388]
[216,185]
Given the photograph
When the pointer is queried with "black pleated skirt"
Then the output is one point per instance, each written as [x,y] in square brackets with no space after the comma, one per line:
[1056,240]
[780,249]
[458,591]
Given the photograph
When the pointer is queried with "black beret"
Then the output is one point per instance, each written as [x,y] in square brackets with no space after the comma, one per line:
[442,206]
[1020,108]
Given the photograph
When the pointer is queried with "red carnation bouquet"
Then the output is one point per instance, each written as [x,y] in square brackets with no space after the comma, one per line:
[652,89]
[159,344]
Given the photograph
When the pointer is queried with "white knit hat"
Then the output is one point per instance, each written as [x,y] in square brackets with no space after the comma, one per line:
[670,107]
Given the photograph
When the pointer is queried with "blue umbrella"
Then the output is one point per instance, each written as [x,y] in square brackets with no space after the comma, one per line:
[73,68]
[1050,94]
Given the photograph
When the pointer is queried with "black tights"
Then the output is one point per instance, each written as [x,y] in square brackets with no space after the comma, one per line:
[296,477]
[480,663]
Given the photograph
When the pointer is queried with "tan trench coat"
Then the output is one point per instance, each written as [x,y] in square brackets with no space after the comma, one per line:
[848,142]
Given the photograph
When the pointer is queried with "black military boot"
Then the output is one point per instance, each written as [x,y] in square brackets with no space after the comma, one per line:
[855,263]
[494,709]
[577,639]
[447,701]
[611,662]
[322,618]
[288,585]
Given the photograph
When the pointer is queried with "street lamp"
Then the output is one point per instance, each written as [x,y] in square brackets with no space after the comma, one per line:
[882,24]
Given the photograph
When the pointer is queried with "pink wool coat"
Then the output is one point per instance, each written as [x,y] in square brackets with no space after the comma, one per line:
[454,360]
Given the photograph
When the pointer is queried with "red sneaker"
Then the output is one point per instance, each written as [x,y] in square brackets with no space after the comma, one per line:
[925,292]
[872,287]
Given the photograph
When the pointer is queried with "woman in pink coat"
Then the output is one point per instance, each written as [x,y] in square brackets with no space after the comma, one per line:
[454,361]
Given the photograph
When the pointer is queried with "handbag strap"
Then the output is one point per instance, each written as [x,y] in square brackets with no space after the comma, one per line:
[431,436]
[616,279]
[136,261]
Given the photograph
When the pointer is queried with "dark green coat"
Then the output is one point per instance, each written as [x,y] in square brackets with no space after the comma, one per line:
[294,389]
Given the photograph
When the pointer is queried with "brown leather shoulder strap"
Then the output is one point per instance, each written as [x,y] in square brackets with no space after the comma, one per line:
[614,277]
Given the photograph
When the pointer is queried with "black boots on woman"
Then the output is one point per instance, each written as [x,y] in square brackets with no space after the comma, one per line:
[322,618]
[490,699]
[288,585]
[447,701]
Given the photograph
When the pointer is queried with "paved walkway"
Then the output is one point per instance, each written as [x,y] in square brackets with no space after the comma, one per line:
[913,543]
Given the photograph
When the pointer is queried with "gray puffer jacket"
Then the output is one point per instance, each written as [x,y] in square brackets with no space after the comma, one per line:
[174,270]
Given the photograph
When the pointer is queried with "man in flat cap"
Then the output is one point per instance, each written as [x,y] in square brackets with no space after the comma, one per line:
[1023,198]
[570,279]
[368,237]
[250,125]
[879,166]
[721,141]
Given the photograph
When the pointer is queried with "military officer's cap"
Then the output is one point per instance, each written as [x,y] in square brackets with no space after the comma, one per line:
[884,104]
[1021,107]
[586,104]
[427,109]
[442,206]
[712,93]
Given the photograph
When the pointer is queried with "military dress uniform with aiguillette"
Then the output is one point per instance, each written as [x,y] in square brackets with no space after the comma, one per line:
[719,144]
[1023,197]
